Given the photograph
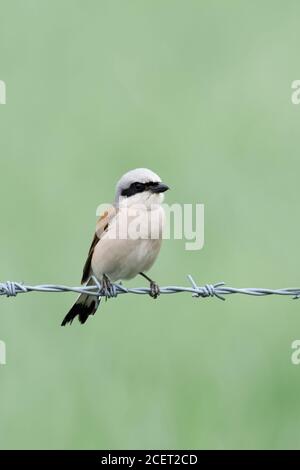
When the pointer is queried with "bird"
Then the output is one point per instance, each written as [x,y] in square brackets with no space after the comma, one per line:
[126,242]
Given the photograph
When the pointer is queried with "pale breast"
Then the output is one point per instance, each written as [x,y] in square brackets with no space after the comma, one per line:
[124,255]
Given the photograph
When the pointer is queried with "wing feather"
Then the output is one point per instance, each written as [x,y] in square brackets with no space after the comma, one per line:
[101,227]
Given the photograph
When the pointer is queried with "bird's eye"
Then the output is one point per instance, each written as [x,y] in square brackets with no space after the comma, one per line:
[139,186]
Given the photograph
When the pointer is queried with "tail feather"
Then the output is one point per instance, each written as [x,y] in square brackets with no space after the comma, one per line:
[84,306]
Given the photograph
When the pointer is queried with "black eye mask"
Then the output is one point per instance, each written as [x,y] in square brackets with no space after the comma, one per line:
[137,187]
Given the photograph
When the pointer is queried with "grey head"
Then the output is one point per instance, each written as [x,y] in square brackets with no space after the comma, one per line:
[138,185]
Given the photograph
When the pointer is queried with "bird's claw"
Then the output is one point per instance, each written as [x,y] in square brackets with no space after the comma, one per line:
[154,290]
[107,290]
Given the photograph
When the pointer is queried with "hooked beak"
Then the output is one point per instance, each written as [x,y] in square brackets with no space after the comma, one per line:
[159,188]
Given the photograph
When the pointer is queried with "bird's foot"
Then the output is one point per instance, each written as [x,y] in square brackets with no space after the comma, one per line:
[107,289]
[154,290]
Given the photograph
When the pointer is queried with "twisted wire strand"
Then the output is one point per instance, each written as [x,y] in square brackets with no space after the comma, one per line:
[218,290]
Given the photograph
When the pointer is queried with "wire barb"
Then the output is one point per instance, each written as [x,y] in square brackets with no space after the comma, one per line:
[208,290]
[218,290]
[11,289]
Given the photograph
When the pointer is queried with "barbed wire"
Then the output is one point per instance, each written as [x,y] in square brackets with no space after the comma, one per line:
[218,290]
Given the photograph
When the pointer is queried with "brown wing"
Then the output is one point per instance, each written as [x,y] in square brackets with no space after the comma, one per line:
[101,227]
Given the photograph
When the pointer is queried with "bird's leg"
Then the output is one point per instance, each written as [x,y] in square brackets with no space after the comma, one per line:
[106,287]
[154,288]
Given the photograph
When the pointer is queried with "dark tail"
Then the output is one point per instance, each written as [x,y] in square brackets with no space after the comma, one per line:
[84,306]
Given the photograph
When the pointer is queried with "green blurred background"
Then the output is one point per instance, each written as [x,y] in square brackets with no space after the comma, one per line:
[200,92]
